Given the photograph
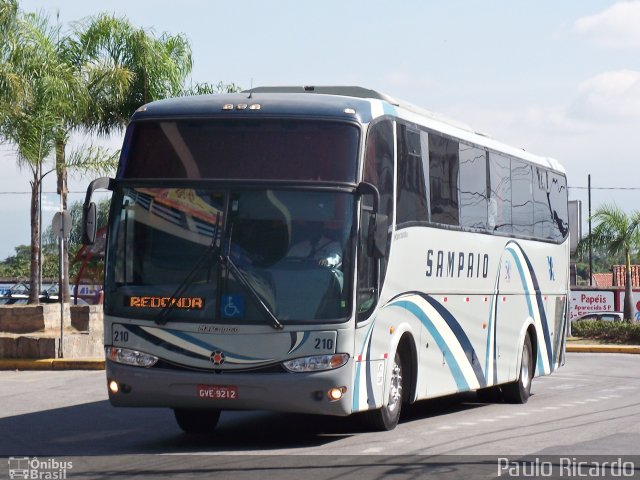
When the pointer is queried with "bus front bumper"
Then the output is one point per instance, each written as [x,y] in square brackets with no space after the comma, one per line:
[285,392]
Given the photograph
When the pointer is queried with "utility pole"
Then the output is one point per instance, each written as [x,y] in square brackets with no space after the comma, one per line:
[590,248]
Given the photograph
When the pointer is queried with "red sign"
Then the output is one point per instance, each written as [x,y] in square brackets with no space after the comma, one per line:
[589,301]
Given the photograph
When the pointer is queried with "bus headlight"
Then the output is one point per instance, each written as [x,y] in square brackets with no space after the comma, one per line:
[316,363]
[127,356]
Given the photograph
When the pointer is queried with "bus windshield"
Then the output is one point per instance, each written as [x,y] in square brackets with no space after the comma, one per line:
[242,149]
[231,256]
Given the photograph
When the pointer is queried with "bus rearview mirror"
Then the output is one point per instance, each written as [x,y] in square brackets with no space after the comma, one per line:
[89,223]
[377,237]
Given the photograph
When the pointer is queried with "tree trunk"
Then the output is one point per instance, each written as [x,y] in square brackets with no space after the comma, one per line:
[61,172]
[34,272]
[628,291]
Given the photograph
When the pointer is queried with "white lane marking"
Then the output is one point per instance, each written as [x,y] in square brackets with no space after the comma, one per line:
[504,417]
[467,424]
[551,408]
[446,427]
[488,420]
[521,413]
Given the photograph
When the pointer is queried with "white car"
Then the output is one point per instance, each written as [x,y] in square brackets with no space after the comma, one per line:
[606,316]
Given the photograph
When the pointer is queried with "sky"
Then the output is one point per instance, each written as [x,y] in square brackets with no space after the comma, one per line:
[557,78]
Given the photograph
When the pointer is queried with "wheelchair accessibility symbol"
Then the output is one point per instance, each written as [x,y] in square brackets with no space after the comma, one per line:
[232,306]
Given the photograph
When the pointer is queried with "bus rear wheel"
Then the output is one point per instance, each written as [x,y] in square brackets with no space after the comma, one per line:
[520,390]
[387,417]
[196,420]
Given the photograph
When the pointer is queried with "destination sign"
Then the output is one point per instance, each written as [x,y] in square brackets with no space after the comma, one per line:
[194,303]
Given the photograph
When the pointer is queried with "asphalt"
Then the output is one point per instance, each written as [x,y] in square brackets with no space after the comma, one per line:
[98,363]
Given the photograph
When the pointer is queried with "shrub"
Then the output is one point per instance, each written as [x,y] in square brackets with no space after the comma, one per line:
[618,332]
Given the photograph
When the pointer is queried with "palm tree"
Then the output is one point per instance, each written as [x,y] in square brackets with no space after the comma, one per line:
[121,67]
[616,233]
[26,121]
[92,79]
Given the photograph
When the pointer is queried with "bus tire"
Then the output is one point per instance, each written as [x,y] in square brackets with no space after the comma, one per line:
[520,390]
[387,417]
[196,420]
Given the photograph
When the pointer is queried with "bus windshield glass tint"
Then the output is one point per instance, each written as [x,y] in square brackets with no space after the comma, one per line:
[267,149]
[176,249]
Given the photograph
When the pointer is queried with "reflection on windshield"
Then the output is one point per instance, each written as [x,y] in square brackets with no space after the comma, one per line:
[288,255]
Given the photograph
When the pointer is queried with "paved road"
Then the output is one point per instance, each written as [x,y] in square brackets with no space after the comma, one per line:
[590,406]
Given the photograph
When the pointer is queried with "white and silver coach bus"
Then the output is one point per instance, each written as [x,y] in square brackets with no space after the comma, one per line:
[326,250]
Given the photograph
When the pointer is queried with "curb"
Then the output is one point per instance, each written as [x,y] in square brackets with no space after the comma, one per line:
[603,348]
[52,364]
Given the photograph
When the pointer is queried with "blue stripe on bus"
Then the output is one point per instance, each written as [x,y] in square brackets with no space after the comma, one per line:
[452,362]
[196,341]
[136,330]
[541,311]
[389,109]
[463,340]
[356,388]
[295,345]
[523,279]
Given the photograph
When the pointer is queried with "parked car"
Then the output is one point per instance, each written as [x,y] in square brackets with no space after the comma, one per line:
[606,316]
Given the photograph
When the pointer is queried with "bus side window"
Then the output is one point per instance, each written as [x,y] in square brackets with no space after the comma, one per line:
[522,198]
[500,193]
[473,188]
[411,201]
[443,179]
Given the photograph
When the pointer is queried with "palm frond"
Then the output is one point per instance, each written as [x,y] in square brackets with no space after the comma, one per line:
[92,159]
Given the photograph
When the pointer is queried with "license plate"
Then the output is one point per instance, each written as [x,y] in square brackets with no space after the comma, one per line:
[218,392]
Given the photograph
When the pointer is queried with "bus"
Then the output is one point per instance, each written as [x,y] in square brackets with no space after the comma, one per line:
[326,250]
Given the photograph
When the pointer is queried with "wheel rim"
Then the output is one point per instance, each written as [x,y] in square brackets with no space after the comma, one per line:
[395,390]
[524,370]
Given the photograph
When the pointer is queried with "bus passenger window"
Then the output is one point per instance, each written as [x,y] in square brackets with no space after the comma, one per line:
[500,193]
[522,198]
[443,179]
[473,187]
[411,194]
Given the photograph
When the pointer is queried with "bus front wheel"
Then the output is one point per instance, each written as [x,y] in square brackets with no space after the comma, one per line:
[387,417]
[520,390]
[196,421]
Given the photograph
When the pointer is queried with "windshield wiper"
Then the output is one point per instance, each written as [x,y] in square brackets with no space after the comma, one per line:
[212,251]
[226,260]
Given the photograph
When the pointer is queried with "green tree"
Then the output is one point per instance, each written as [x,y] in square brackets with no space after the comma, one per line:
[617,234]
[28,81]
[16,266]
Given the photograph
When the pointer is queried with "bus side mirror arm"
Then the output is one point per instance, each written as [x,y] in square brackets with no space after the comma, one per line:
[366,188]
[89,210]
